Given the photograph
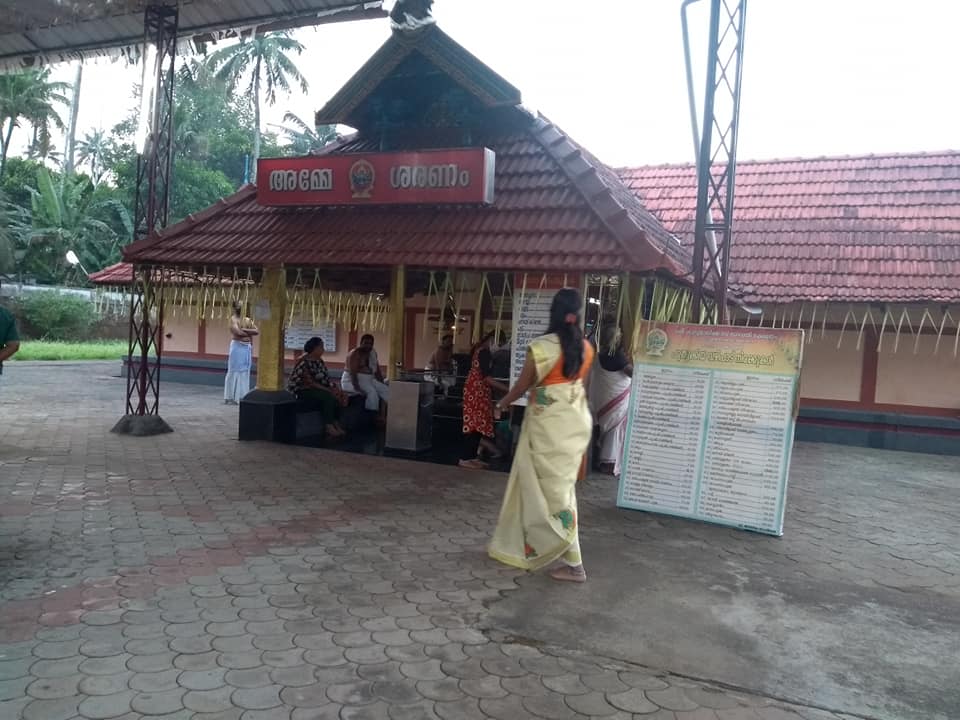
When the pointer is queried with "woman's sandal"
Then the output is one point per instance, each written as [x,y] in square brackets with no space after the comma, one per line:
[473,464]
[565,573]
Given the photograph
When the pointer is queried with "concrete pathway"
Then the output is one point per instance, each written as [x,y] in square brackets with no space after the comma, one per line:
[192,576]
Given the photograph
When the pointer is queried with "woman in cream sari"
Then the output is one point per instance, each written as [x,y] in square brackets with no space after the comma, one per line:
[538,520]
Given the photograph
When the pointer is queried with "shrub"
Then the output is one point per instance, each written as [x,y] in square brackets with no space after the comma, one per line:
[50,315]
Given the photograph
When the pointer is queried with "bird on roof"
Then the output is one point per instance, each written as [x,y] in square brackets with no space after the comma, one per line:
[411,15]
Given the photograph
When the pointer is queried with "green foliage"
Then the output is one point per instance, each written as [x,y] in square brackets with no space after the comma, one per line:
[262,63]
[51,315]
[59,350]
[20,176]
[93,149]
[30,97]
[195,187]
[302,139]
[67,214]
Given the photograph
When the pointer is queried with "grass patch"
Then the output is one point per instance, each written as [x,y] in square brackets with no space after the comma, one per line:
[53,350]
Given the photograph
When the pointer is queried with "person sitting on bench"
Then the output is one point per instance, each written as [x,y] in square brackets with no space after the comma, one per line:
[362,375]
[310,382]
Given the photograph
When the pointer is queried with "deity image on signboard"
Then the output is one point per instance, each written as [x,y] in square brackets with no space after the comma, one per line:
[362,177]
[657,341]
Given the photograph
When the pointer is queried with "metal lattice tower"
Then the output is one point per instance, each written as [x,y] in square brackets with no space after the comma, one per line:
[716,157]
[154,170]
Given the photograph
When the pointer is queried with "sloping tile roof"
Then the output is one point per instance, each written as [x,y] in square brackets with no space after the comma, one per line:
[120,273]
[556,208]
[882,228]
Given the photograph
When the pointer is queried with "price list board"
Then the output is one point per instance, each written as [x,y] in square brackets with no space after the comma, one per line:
[531,319]
[299,331]
[710,424]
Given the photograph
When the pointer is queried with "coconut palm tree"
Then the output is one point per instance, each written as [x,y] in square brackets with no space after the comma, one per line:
[31,97]
[92,150]
[70,144]
[265,60]
[304,139]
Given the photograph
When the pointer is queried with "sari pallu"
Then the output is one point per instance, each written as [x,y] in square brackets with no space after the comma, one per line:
[538,519]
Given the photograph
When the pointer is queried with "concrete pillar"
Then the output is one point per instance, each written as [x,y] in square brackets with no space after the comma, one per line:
[398,295]
[270,361]
[269,411]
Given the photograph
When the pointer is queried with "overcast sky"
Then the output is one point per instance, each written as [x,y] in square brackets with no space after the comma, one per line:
[821,77]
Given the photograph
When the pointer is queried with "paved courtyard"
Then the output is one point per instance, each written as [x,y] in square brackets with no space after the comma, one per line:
[192,576]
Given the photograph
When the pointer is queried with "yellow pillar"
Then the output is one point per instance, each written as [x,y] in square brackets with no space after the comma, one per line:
[272,306]
[398,295]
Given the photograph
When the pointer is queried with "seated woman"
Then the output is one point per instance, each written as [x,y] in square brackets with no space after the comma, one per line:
[310,382]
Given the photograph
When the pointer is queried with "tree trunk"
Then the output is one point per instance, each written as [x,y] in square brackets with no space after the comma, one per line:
[256,121]
[5,145]
[68,154]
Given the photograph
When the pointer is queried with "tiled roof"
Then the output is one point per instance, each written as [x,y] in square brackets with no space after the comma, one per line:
[120,273]
[882,228]
[556,208]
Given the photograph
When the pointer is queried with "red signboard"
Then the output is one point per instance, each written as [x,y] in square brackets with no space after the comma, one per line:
[427,178]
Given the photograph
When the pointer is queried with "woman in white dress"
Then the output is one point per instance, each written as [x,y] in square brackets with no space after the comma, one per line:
[610,398]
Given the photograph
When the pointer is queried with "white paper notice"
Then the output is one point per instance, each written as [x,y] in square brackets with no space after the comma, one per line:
[297,333]
[710,425]
[531,319]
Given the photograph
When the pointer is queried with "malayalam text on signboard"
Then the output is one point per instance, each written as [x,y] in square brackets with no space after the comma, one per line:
[710,426]
[296,334]
[463,176]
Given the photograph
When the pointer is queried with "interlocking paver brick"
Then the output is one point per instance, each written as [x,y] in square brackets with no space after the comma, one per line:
[445,690]
[643,681]
[468,709]
[327,712]
[58,709]
[671,698]
[592,704]
[104,684]
[17,688]
[55,668]
[101,707]
[240,660]
[352,693]
[375,711]
[389,670]
[45,688]
[634,701]
[159,703]
[258,698]
[423,710]
[198,662]
[110,665]
[308,696]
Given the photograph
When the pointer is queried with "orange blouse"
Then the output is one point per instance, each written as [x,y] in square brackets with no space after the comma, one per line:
[556,376]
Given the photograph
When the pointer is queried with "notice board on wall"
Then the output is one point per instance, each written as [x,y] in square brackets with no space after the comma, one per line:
[531,319]
[710,424]
[299,331]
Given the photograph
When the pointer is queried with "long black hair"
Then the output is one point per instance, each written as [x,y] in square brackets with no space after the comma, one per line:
[565,322]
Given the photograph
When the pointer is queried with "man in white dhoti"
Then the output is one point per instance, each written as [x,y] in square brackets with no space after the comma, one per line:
[363,375]
[240,359]
[610,398]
